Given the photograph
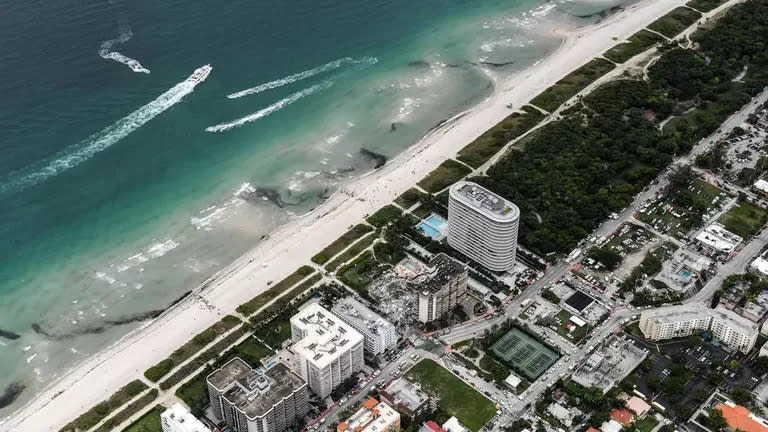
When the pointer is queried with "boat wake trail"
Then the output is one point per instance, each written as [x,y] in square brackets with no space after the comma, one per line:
[282,103]
[76,154]
[106,52]
[302,75]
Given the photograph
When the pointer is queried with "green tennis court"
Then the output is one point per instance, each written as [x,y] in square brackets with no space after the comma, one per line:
[524,353]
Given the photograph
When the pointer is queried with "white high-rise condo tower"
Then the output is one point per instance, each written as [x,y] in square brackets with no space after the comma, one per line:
[483,225]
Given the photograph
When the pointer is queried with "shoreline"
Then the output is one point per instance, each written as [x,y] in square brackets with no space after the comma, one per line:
[293,244]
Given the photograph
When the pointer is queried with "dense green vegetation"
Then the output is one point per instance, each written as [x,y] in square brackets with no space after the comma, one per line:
[636,44]
[494,139]
[340,243]
[453,395]
[191,348]
[361,272]
[260,300]
[573,83]
[252,351]
[705,5]
[96,414]
[202,359]
[746,219]
[605,256]
[384,215]
[448,173]
[410,197]
[128,411]
[149,422]
[352,252]
[671,24]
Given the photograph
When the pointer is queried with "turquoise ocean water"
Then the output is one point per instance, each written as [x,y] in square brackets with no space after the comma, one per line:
[120,190]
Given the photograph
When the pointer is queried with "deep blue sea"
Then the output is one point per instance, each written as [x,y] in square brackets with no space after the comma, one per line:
[124,185]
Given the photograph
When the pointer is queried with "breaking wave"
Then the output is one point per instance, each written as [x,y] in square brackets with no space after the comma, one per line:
[282,103]
[302,75]
[78,153]
[106,52]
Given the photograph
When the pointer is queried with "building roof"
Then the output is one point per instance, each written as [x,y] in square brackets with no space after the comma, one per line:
[431,425]
[578,321]
[484,201]
[591,429]
[373,416]
[679,313]
[254,391]
[760,264]
[402,392]
[442,270]
[453,425]
[611,426]
[740,418]
[735,320]
[638,405]
[322,335]
[761,185]
[183,419]
[718,238]
[623,416]
[359,315]
[513,380]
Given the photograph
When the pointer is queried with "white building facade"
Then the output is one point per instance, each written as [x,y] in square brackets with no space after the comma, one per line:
[178,419]
[379,334]
[483,225]
[328,350]
[441,288]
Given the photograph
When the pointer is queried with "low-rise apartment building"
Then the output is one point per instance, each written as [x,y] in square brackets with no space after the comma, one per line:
[379,334]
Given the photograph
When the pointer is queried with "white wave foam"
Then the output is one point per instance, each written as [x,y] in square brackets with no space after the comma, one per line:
[223,127]
[30,358]
[76,154]
[543,10]
[302,75]
[406,109]
[106,53]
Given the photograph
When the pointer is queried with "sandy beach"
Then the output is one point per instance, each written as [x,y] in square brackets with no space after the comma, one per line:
[294,244]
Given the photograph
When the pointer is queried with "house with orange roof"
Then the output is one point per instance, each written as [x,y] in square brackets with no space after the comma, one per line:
[623,416]
[740,418]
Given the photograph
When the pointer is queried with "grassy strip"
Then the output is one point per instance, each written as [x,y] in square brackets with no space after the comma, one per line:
[443,176]
[746,219]
[202,359]
[256,303]
[191,348]
[677,20]
[352,252]
[281,303]
[194,392]
[128,411]
[410,197]
[96,414]
[149,422]
[573,83]
[384,215]
[341,243]
[454,395]
[705,5]
[636,44]
[489,143]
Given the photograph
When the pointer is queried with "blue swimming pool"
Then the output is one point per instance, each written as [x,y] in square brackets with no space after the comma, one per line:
[686,275]
[428,230]
[436,221]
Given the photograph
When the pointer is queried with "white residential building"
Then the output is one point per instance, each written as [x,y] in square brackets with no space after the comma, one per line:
[718,240]
[379,334]
[483,225]
[725,325]
[257,400]
[760,266]
[441,288]
[178,419]
[327,349]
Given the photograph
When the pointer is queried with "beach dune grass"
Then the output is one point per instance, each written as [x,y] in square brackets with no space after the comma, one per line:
[489,143]
[746,219]
[705,5]
[361,272]
[352,252]
[573,83]
[633,46]
[341,243]
[190,348]
[149,422]
[194,392]
[448,173]
[677,20]
[384,215]
[127,412]
[410,197]
[256,303]
[453,395]
[99,412]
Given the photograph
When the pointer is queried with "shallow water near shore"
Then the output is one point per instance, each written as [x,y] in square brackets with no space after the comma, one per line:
[122,187]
